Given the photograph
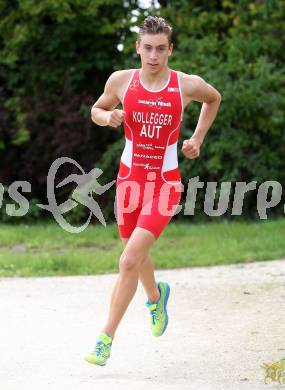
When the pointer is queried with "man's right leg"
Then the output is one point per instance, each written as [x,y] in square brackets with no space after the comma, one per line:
[146,276]
[131,259]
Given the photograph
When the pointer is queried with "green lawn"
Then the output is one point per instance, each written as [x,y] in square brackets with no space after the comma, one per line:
[46,249]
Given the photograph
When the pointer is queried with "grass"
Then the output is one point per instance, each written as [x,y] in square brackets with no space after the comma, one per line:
[46,249]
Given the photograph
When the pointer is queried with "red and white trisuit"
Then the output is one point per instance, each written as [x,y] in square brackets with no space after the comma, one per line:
[148,184]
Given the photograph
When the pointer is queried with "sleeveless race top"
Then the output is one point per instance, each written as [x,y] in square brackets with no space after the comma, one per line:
[152,126]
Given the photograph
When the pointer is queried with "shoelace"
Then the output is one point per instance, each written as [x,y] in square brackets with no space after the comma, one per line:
[101,349]
[155,314]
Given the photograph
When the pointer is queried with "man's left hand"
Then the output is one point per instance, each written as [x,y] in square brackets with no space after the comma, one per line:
[191,148]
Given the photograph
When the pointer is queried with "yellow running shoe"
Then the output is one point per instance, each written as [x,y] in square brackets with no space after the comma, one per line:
[101,351]
[158,310]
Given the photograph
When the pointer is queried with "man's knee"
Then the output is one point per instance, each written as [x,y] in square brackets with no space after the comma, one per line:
[129,260]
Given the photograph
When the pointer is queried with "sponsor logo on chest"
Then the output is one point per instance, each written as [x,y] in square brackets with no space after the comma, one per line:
[154,103]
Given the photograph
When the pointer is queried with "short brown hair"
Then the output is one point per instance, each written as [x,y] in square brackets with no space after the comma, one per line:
[155,25]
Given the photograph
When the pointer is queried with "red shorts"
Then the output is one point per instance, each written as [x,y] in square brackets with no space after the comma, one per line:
[148,205]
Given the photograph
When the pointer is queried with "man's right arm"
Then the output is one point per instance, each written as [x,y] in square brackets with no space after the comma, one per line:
[104,112]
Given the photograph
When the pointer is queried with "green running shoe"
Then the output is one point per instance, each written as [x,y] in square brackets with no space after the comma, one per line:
[102,350]
[158,311]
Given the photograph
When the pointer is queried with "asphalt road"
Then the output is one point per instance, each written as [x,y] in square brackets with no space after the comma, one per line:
[224,322]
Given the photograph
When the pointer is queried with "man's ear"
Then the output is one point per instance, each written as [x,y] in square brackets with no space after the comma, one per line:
[137,46]
[170,49]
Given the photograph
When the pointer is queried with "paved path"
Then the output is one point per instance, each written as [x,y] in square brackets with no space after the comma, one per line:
[224,322]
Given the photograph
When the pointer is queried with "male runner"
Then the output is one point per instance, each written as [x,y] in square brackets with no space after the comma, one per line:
[148,181]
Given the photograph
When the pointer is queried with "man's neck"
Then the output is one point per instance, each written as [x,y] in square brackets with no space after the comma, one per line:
[154,79]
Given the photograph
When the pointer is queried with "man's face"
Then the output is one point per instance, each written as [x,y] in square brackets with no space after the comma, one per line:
[154,51]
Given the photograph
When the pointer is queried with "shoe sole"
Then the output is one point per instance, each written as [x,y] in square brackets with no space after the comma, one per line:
[95,364]
[164,307]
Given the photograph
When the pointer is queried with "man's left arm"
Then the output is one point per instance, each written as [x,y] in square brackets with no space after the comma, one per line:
[196,88]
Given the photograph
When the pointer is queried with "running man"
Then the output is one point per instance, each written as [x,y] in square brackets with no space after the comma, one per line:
[148,182]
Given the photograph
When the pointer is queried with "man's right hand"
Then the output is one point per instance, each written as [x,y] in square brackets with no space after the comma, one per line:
[115,118]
